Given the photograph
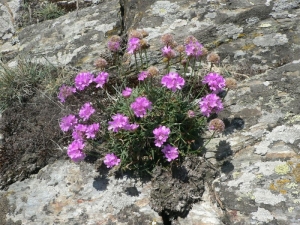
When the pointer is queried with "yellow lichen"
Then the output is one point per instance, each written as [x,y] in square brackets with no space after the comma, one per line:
[296,173]
[291,209]
[282,169]
[248,47]
[241,35]
[282,182]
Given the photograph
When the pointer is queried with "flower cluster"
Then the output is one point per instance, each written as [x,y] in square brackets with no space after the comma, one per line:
[127,92]
[170,152]
[172,81]
[143,75]
[111,160]
[161,135]
[65,91]
[168,52]
[83,80]
[79,131]
[209,104]
[133,45]
[119,122]
[114,44]
[140,106]
[193,49]
[215,82]
[101,79]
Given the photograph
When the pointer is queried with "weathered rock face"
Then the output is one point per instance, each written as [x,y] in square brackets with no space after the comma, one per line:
[258,153]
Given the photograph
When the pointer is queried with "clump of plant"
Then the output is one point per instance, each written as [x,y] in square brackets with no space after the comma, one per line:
[155,122]
[19,83]
[49,11]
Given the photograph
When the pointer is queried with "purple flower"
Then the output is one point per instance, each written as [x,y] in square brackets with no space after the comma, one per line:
[127,92]
[131,127]
[172,81]
[65,91]
[191,114]
[133,45]
[170,152]
[68,122]
[111,160]
[211,103]
[140,106]
[114,46]
[143,75]
[83,80]
[168,52]
[119,122]
[79,131]
[75,150]
[193,49]
[91,130]
[86,111]
[101,79]
[215,82]
[161,135]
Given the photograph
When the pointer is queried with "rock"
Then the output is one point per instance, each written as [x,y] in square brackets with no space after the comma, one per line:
[257,156]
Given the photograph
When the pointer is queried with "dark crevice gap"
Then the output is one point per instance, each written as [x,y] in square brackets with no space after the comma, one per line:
[165,218]
[122,12]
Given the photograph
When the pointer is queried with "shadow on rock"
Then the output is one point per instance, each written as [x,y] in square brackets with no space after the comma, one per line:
[233,124]
[101,182]
[223,150]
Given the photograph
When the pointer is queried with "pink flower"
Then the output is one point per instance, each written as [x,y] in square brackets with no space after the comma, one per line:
[83,80]
[119,122]
[79,131]
[172,81]
[131,127]
[140,106]
[68,122]
[168,52]
[101,79]
[191,114]
[91,130]
[114,46]
[194,49]
[111,160]
[170,152]
[86,111]
[133,45]
[127,92]
[161,135]
[65,91]
[211,103]
[75,150]
[143,75]
[215,82]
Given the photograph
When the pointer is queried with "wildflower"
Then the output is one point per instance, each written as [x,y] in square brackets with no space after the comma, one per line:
[83,80]
[180,48]
[161,135]
[133,45]
[213,58]
[91,130]
[230,83]
[170,152]
[131,127]
[75,150]
[135,34]
[101,79]
[215,82]
[65,91]
[68,122]
[143,75]
[167,39]
[111,160]
[79,131]
[189,39]
[140,106]
[193,49]
[144,44]
[172,81]
[211,103]
[168,52]
[86,111]
[127,92]
[114,43]
[153,71]
[191,114]
[100,63]
[216,125]
[119,122]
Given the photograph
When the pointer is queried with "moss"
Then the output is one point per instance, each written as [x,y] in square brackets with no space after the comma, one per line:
[282,169]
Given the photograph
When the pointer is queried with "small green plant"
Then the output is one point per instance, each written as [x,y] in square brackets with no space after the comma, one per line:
[157,120]
[49,11]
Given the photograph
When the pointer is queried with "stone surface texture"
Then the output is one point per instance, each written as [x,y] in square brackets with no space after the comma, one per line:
[258,154]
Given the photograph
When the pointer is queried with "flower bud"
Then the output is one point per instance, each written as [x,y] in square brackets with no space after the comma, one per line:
[230,83]
[213,58]
[216,125]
